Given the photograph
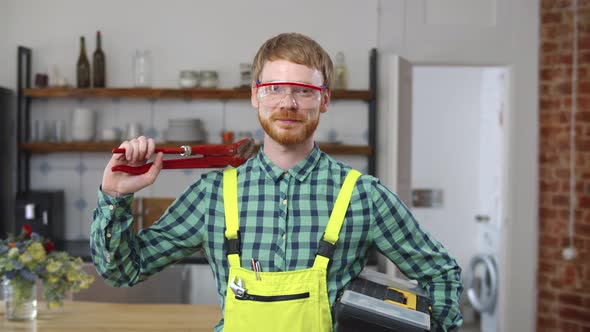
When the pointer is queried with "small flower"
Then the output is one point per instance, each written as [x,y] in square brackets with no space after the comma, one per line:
[37,252]
[26,258]
[53,266]
[35,237]
[49,246]
[25,273]
[13,253]
[28,230]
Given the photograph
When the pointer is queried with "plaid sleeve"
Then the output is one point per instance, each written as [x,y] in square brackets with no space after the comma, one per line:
[124,258]
[419,256]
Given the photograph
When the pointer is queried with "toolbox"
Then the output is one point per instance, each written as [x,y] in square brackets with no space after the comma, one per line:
[381,303]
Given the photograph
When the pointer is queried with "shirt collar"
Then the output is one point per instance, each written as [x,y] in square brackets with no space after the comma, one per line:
[299,171]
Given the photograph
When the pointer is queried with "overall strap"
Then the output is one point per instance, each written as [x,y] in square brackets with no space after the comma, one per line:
[230,203]
[328,242]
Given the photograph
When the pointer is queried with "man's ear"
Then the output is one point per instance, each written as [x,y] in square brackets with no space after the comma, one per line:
[254,96]
[327,95]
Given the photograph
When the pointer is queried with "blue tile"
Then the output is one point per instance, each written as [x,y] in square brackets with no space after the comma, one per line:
[366,135]
[151,133]
[81,168]
[45,167]
[80,204]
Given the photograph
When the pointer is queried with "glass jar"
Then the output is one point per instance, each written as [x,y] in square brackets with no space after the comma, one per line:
[209,79]
[340,72]
[142,69]
[245,75]
[188,79]
[20,299]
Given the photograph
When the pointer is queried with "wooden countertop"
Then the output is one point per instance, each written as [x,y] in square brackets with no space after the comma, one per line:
[94,316]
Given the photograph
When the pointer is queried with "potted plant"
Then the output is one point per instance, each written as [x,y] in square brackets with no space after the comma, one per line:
[27,257]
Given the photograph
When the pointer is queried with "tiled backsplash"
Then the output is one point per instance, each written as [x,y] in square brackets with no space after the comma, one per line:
[80,174]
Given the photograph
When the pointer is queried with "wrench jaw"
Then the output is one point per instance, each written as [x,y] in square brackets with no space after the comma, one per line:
[237,288]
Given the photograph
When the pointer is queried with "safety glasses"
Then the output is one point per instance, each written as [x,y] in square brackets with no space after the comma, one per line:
[274,94]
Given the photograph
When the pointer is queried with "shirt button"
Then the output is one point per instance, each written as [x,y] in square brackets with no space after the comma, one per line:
[111,207]
[284,236]
[107,256]
[284,202]
[285,174]
[109,235]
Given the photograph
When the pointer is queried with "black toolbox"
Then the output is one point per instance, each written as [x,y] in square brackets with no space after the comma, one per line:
[380,303]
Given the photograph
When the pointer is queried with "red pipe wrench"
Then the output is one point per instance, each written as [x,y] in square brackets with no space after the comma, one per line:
[209,156]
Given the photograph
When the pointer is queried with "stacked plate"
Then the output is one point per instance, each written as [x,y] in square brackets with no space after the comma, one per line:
[185,130]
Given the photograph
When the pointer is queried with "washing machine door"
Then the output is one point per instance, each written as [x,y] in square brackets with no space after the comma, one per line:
[482,283]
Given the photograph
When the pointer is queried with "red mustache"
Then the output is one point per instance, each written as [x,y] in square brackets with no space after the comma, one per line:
[286,116]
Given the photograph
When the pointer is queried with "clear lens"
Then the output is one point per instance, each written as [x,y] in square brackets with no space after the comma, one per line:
[276,95]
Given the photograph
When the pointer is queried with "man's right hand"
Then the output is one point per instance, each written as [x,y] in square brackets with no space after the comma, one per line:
[137,152]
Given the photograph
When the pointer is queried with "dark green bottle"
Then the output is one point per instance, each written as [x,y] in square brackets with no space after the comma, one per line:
[83,67]
[98,65]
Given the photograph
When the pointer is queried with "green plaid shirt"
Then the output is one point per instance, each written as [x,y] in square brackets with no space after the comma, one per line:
[283,215]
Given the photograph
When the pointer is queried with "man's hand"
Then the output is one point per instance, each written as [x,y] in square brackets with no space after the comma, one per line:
[137,152]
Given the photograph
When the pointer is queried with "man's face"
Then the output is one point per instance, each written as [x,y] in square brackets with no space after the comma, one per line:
[290,122]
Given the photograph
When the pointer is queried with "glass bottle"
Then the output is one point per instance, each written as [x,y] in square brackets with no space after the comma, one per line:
[142,69]
[340,75]
[98,64]
[83,67]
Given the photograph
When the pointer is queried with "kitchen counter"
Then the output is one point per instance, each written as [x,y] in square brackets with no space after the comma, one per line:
[93,316]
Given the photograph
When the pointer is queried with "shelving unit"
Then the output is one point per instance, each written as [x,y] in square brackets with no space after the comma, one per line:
[46,147]
[26,94]
[160,93]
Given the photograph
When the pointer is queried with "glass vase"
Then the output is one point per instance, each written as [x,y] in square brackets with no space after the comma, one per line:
[20,299]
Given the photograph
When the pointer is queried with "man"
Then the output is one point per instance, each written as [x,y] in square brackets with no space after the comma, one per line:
[270,215]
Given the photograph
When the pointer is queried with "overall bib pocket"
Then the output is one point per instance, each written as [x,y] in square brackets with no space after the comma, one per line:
[290,301]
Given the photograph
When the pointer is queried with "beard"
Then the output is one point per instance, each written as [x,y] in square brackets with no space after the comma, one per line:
[285,135]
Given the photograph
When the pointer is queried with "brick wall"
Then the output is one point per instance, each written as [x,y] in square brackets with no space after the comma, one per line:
[563,286]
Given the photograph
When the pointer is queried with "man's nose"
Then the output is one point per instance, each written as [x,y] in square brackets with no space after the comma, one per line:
[289,101]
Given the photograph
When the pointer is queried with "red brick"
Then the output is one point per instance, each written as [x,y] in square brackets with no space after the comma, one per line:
[585,201]
[583,115]
[568,327]
[571,299]
[564,88]
[560,200]
[577,314]
[549,4]
[546,267]
[546,322]
[583,230]
[551,103]
[549,47]
[552,17]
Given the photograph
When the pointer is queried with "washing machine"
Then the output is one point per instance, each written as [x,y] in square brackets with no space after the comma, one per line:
[483,278]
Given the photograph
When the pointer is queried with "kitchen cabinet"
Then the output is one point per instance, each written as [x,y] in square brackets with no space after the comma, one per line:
[25,94]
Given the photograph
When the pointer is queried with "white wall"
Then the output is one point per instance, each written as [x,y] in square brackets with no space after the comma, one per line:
[183,34]
[445,155]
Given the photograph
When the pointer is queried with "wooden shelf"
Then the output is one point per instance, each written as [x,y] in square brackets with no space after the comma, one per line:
[42,147]
[157,93]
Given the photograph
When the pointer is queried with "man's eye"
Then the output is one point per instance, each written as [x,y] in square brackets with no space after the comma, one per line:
[276,89]
[303,91]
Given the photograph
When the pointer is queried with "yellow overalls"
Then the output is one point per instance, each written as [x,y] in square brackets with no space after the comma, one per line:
[279,301]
